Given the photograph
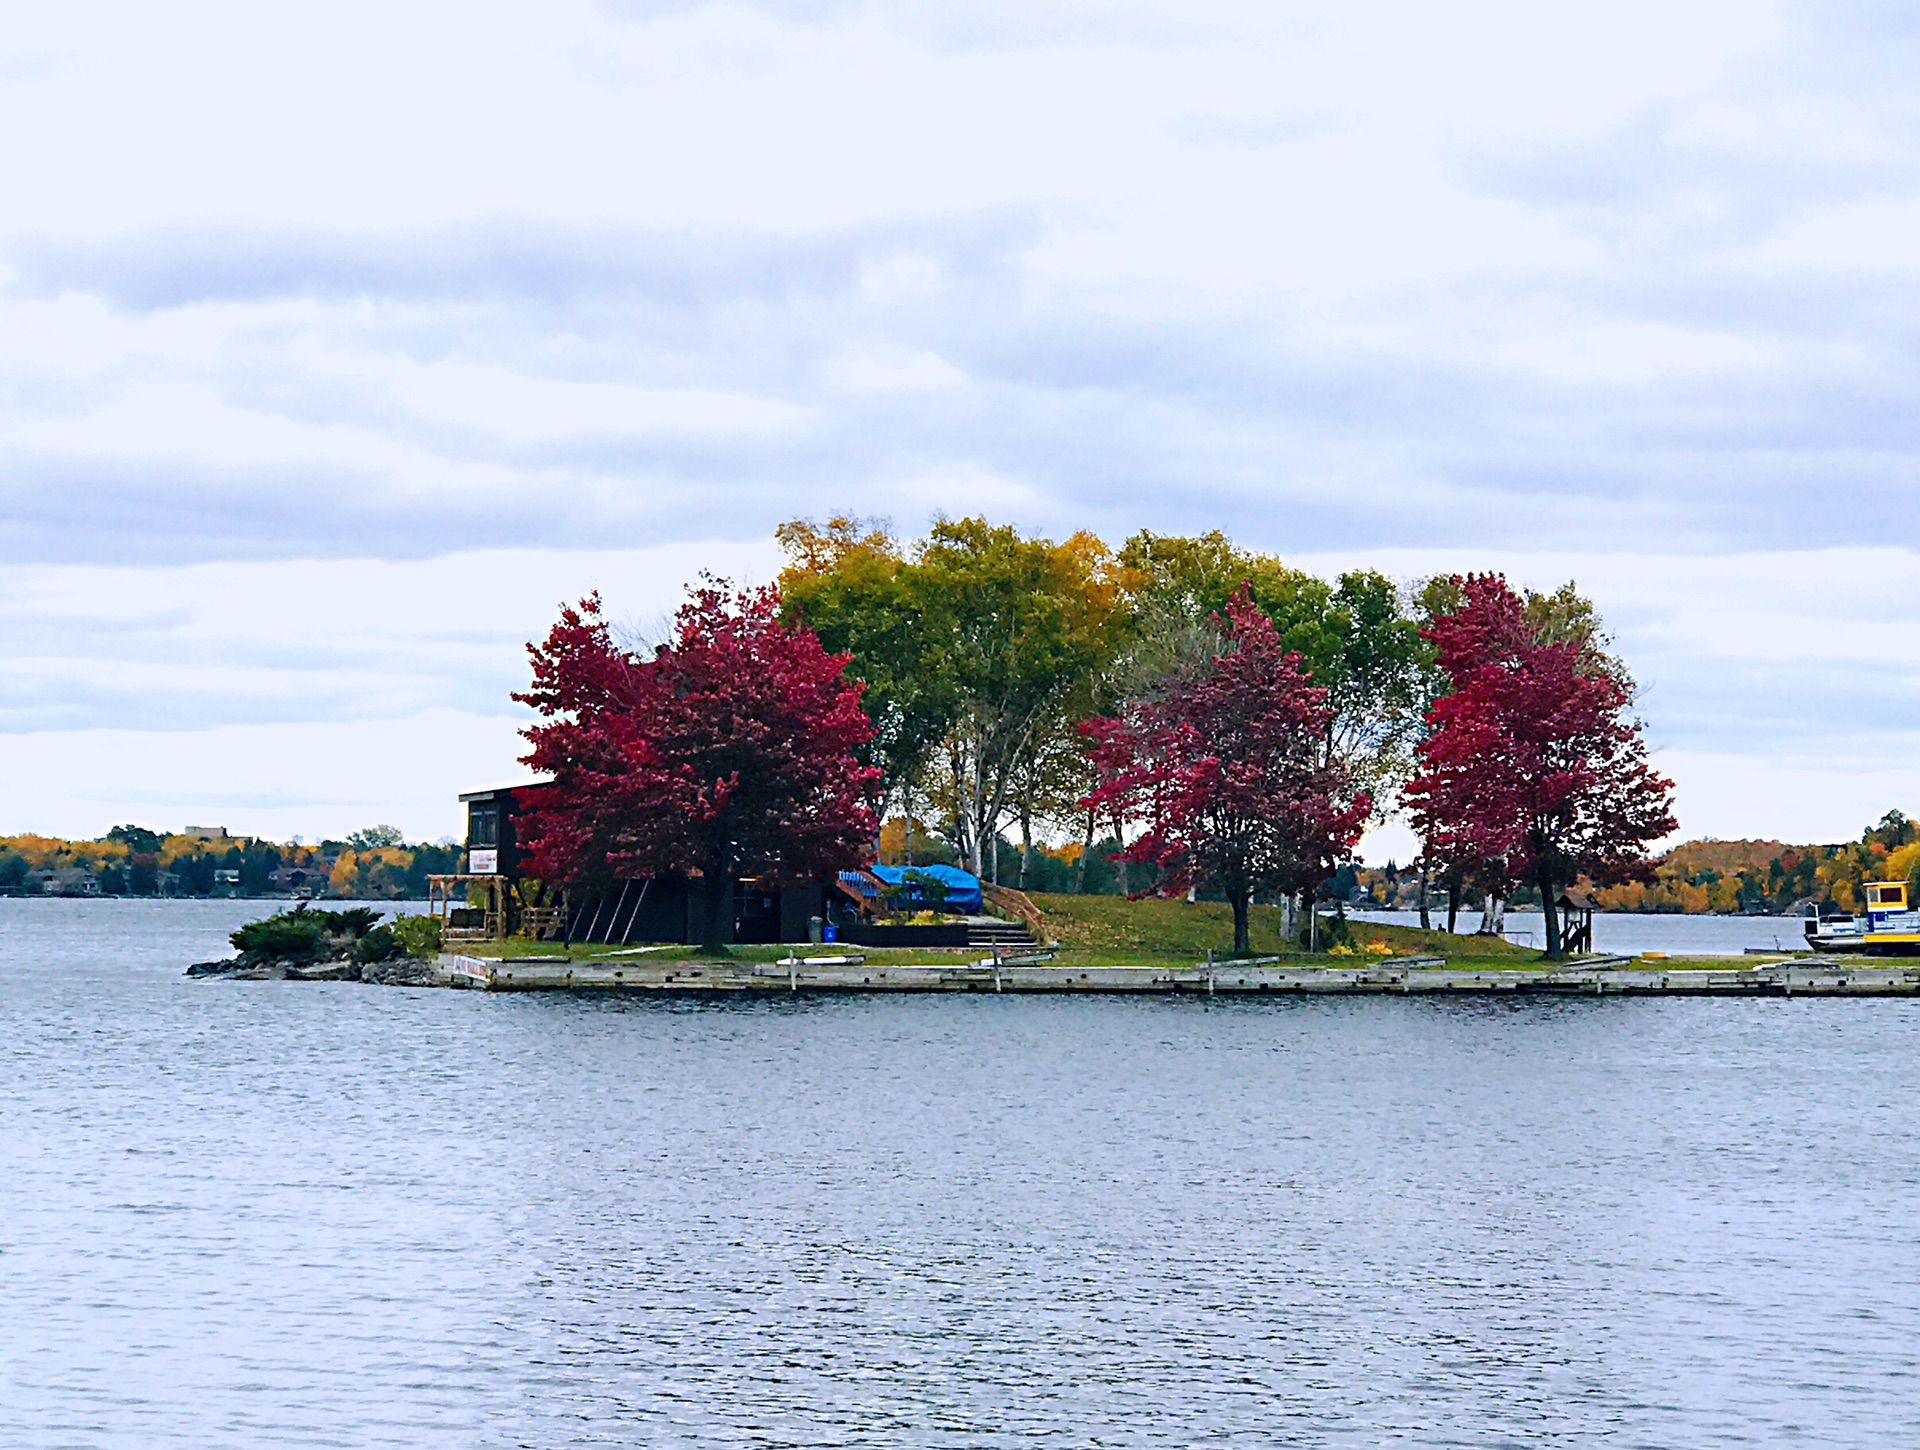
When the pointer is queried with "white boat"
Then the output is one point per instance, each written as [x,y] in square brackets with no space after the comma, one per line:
[1837,933]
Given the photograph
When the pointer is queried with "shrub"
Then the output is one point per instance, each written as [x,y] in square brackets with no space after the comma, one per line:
[1332,931]
[381,944]
[298,936]
[418,936]
[353,923]
[916,891]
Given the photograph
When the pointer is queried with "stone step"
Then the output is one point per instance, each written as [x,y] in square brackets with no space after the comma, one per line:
[1000,934]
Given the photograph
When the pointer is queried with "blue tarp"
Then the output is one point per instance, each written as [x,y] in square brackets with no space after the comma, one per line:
[963,887]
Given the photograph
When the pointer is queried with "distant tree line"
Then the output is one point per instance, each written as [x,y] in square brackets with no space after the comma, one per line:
[1773,877]
[133,860]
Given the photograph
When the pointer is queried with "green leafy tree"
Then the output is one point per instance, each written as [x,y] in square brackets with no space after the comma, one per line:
[136,838]
[1017,628]
[851,583]
[1355,638]
[976,647]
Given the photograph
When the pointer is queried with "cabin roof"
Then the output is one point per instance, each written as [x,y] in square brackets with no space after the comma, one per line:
[501,792]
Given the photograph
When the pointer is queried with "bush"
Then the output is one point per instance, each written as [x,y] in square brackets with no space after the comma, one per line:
[353,923]
[1332,932]
[296,936]
[418,936]
[305,935]
[379,945]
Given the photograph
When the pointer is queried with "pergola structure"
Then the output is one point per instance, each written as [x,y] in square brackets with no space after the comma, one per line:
[502,911]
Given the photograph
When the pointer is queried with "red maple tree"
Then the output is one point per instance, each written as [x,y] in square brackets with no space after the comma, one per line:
[1229,772]
[728,753]
[1532,769]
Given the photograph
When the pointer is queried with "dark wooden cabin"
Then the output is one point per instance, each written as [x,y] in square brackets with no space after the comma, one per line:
[628,912]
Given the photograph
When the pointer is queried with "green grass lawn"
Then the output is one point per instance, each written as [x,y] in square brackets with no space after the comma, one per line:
[1099,931]
[1110,930]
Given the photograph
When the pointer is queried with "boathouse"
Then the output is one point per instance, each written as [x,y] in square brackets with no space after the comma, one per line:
[492,897]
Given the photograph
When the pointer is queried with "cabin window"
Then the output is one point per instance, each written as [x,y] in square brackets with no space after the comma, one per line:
[483,826]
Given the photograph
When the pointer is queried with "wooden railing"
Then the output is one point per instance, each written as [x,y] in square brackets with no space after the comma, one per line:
[1018,904]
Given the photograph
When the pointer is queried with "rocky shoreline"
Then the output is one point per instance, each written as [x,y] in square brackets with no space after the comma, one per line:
[395,972]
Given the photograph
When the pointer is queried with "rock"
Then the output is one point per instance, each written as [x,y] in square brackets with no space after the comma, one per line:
[338,971]
[399,972]
[237,969]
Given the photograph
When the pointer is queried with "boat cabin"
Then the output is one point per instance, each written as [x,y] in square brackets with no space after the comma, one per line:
[1891,923]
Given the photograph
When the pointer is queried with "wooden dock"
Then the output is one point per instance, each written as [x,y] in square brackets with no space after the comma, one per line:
[1804,977]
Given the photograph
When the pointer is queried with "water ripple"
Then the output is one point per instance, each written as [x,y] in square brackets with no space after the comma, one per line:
[260,1214]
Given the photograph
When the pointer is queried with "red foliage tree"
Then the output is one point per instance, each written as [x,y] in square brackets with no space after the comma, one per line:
[1532,770]
[1229,771]
[728,753]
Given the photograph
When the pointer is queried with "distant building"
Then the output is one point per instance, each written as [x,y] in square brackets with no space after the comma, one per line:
[66,881]
[207,833]
[299,880]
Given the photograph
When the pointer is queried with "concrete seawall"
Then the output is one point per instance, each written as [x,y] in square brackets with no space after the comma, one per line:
[1803,978]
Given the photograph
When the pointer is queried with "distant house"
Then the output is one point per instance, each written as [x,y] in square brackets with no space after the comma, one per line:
[65,881]
[308,880]
[207,833]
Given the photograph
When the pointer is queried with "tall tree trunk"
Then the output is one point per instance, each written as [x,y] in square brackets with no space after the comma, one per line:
[972,811]
[1242,942]
[1453,902]
[1492,913]
[1080,866]
[1120,858]
[993,857]
[1550,909]
[1026,846]
[907,792]
[1426,912]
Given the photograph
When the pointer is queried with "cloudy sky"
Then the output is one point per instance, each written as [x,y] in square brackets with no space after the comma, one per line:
[338,347]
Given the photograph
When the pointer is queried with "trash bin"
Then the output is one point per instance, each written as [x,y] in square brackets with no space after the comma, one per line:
[829,932]
[815,925]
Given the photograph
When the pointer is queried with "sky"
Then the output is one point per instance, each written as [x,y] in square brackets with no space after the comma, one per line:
[339,345]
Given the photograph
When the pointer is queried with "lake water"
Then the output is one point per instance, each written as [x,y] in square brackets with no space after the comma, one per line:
[1633,932]
[257,1214]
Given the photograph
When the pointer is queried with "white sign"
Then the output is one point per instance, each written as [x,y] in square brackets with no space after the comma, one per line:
[483,863]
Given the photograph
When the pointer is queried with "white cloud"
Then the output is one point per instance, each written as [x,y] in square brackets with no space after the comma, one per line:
[311,778]
[364,305]
[891,371]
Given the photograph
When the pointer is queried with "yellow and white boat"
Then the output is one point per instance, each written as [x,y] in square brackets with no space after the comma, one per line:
[1892,925]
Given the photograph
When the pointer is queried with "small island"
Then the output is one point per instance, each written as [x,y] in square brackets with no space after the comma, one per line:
[867,775]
